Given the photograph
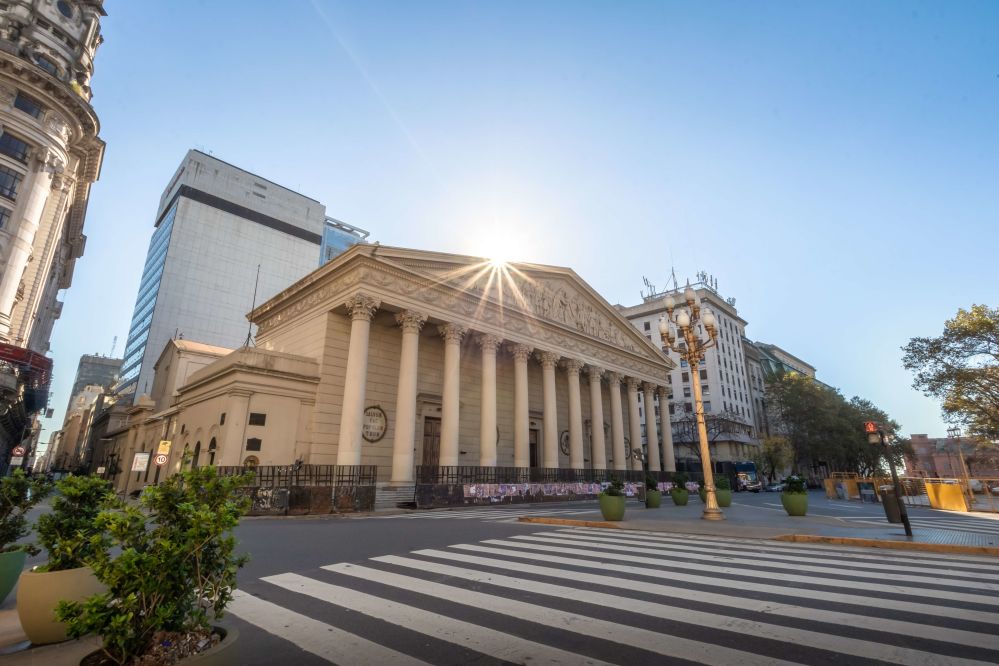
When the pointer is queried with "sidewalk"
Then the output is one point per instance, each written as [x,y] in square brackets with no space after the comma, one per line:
[753,522]
[14,644]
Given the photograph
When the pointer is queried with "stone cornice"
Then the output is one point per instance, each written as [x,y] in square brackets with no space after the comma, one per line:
[401,289]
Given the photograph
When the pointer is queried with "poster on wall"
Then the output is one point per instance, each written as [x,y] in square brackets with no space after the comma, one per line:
[140,463]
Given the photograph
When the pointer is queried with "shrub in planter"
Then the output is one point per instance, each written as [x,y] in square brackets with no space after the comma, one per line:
[795,496]
[653,496]
[612,501]
[175,573]
[679,491]
[723,491]
[67,535]
[18,494]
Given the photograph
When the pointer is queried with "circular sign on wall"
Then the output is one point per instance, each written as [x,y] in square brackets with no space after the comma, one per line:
[375,424]
[563,442]
[160,459]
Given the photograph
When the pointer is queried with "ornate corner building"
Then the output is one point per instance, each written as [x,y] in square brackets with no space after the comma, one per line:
[50,155]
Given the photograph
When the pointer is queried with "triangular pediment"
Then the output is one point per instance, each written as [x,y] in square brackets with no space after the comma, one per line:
[549,293]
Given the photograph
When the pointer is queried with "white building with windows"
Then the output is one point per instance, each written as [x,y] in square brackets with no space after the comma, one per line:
[725,384]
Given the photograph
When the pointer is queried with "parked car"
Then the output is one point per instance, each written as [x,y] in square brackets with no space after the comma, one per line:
[775,487]
[752,486]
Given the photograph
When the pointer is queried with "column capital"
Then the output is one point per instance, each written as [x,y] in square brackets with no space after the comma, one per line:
[633,383]
[520,351]
[614,377]
[548,359]
[362,306]
[410,320]
[594,372]
[489,342]
[649,387]
[573,366]
[663,392]
[452,333]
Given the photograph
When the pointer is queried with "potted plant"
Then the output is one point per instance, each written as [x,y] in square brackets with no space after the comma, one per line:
[679,491]
[612,500]
[18,493]
[795,497]
[174,573]
[66,534]
[653,496]
[723,491]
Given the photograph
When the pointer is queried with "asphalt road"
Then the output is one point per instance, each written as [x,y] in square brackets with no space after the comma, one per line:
[475,587]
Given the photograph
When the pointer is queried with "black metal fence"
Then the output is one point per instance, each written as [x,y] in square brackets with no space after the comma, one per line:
[459,475]
[280,476]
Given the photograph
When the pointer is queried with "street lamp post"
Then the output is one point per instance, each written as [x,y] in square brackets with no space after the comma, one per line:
[680,332]
[955,433]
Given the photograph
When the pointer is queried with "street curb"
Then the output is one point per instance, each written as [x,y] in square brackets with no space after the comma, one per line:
[952,549]
[569,521]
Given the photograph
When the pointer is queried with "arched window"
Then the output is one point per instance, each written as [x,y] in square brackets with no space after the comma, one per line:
[194,457]
[211,452]
[251,462]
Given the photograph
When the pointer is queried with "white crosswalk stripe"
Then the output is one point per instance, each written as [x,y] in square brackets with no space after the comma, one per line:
[589,596]
[490,514]
[969,524]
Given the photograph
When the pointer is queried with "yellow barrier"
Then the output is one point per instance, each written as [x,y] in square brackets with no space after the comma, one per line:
[946,496]
[830,486]
[852,491]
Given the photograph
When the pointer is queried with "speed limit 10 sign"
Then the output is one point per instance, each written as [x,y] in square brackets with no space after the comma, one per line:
[160,459]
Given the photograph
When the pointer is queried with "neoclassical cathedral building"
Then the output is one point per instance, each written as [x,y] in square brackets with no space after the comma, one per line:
[413,360]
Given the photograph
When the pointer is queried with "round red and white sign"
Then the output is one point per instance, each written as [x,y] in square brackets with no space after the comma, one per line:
[160,459]
[18,451]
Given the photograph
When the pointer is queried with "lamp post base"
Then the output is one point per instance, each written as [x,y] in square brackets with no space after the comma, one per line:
[713,514]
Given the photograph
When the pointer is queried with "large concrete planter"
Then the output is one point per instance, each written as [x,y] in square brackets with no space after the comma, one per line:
[11,565]
[796,504]
[41,591]
[680,496]
[221,654]
[653,499]
[611,507]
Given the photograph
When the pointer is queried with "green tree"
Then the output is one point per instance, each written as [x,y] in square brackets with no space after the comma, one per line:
[773,455]
[961,369]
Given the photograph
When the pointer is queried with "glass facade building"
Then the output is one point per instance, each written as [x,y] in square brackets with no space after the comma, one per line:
[338,237]
[142,315]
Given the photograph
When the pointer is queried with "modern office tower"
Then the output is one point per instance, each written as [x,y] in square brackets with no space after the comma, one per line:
[216,228]
[337,237]
[50,155]
[94,370]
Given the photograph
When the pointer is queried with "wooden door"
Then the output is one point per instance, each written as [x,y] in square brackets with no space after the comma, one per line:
[431,442]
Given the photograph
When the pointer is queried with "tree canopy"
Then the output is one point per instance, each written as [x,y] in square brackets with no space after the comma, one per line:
[961,369]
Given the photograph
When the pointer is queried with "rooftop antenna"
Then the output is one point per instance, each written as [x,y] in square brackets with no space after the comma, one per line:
[253,306]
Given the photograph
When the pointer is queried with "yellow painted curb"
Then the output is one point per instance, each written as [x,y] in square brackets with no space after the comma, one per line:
[953,549]
[568,521]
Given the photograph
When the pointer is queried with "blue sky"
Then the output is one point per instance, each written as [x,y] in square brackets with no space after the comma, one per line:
[833,165]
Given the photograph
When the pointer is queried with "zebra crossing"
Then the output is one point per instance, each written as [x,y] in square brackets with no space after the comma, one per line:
[495,514]
[593,596]
[952,522]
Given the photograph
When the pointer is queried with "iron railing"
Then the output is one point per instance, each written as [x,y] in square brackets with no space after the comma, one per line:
[276,476]
[459,475]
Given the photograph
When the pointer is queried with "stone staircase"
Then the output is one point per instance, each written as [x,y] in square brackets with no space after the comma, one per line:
[390,497]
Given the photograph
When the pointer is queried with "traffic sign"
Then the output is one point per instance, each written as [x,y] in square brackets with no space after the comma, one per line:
[18,451]
[870,426]
[164,447]
[160,459]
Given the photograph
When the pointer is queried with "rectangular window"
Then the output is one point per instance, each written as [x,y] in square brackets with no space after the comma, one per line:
[258,419]
[686,391]
[10,180]
[707,406]
[685,376]
[4,217]
[222,419]
[648,326]
[704,375]
[705,390]
[11,146]
[253,444]
[28,105]
[47,65]
[687,407]
[672,410]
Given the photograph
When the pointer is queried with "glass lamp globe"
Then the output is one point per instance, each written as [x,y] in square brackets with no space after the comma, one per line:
[708,318]
[682,319]
[669,302]
[689,295]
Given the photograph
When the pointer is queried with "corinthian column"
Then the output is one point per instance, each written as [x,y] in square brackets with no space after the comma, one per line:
[521,420]
[651,431]
[666,427]
[548,361]
[362,308]
[617,421]
[452,334]
[634,423]
[598,449]
[405,397]
[487,420]
[572,367]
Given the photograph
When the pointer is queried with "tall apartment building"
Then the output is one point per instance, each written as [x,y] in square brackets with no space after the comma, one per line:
[215,225]
[50,154]
[94,370]
[725,387]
